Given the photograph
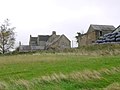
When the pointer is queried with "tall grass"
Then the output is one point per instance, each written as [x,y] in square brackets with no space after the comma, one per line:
[84,76]
[59,71]
[98,49]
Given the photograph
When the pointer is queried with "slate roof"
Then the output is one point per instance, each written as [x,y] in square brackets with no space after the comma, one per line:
[102,27]
[43,37]
[57,38]
[33,38]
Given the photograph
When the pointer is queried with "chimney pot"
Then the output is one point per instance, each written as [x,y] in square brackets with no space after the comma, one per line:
[54,33]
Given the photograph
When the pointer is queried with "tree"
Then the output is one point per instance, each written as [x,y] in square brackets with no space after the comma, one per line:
[7,37]
[79,34]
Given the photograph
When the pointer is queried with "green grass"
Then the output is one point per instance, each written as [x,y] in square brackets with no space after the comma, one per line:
[61,71]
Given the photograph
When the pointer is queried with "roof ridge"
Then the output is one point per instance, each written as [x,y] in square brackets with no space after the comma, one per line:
[43,35]
[99,25]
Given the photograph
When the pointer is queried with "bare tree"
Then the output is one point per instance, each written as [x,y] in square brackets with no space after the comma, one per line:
[7,37]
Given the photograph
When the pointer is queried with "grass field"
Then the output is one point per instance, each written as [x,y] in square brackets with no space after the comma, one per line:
[61,71]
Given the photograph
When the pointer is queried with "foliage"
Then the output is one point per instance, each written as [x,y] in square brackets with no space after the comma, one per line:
[77,37]
[7,37]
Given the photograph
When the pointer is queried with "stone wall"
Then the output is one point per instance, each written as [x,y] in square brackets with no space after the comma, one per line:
[91,37]
[64,42]
[83,40]
[61,43]
[87,39]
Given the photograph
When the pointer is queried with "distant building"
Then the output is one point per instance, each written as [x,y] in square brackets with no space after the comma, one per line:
[45,42]
[94,32]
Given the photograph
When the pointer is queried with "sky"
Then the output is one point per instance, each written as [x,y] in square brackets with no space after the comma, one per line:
[41,17]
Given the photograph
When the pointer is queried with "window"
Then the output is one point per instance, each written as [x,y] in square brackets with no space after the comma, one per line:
[100,33]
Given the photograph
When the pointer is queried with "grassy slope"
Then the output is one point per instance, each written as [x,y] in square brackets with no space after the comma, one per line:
[23,72]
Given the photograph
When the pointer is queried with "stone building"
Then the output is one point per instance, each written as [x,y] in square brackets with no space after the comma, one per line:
[45,42]
[94,32]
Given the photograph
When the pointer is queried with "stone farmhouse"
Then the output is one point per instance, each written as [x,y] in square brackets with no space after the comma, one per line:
[46,42]
[94,32]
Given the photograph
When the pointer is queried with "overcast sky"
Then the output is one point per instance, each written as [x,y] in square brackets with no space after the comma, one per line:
[63,16]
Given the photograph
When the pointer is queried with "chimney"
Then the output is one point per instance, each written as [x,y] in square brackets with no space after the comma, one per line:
[79,34]
[19,43]
[54,33]
[30,35]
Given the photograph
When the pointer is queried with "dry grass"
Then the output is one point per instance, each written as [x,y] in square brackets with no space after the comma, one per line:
[3,86]
[4,60]
[85,75]
[59,68]
[78,76]
[23,83]
[113,86]
[113,70]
